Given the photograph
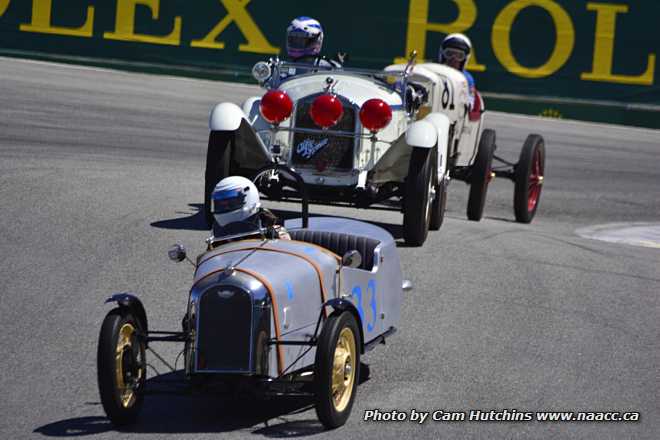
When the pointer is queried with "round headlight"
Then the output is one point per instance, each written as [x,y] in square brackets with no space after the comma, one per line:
[326,110]
[375,114]
[261,71]
[276,106]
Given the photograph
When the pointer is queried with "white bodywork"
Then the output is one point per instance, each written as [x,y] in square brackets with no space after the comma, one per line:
[443,122]
[449,96]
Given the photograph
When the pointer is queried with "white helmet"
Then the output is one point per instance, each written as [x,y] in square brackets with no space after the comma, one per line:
[455,47]
[234,201]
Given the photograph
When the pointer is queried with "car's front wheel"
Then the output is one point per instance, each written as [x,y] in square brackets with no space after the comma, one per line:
[418,197]
[121,367]
[337,369]
[480,176]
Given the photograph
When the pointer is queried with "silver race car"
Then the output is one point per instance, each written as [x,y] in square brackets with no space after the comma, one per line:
[277,316]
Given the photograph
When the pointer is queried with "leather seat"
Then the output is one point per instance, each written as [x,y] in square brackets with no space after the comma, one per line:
[340,243]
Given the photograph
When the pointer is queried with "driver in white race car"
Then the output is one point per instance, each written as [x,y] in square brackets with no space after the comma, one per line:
[455,52]
[304,41]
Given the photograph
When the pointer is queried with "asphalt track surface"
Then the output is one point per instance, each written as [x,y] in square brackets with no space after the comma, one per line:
[100,171]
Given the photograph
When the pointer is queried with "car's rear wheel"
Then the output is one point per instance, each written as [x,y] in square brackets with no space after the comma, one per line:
[218,161]
[480,175]
[121,367]
[337,369]
[529,179]
[418,197]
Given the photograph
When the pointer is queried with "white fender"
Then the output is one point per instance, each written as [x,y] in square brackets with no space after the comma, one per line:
[441,123]
[226,117]
[422,134]
[251,107]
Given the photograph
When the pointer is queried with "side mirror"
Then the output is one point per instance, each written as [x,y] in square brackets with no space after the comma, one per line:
[352,259]
[177,253]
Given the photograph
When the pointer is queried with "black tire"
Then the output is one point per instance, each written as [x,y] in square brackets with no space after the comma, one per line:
[121,401]
[416,203]
[333,410]
[218,166]
[529,175]
[480,176]
[439,206]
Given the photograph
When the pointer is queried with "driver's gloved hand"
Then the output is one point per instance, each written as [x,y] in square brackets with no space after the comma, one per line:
[268,219]
[341,57]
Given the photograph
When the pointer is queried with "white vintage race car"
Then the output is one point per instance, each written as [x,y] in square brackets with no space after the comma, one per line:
[393,137]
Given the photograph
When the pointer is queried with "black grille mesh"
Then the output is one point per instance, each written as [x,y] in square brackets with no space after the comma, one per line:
[336,153]
[225,322]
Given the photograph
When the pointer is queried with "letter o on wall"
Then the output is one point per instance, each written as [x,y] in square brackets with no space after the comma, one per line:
[501,38]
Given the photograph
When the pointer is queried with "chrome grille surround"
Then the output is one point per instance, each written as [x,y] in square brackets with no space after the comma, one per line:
[324,152]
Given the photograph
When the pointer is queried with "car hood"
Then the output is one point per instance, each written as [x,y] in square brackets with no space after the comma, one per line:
[356,89]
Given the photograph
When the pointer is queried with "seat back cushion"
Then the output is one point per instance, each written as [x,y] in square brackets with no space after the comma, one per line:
[340,243]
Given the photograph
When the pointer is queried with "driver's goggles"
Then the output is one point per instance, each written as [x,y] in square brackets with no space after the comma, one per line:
[227,201]
[453,54]
[299,41]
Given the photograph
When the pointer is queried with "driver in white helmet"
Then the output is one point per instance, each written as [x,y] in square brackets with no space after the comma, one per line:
[238,214]
[304,41]
[455,52]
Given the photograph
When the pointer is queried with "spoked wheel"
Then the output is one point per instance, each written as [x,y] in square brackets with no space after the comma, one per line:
[337,369]
[218,157]
[529,174]
[419,194]
[121,365]
[481,175]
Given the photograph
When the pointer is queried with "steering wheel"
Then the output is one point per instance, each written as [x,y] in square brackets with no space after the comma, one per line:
[300,183]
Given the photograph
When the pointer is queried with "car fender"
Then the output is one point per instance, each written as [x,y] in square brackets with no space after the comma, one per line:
[133,304]
[422,134]
[226,117]
[343,305]
[442,123]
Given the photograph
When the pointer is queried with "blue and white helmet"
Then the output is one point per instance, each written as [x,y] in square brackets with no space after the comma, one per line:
[304,37]
[234,203]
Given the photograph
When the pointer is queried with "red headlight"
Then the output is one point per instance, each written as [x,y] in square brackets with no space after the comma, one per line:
[375,114]
[326,110]
[276,106]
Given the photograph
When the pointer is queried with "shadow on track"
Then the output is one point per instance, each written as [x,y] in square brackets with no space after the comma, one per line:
[167,411]
[196,222]
[193,222]
[171,407]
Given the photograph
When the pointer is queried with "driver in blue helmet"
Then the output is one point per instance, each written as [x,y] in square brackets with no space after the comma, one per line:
[304,41]
[238,214]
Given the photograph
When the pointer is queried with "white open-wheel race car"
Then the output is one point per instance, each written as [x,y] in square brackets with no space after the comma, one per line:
[393,137]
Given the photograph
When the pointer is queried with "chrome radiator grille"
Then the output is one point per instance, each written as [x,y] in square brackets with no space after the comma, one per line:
[319,151]
[224,333]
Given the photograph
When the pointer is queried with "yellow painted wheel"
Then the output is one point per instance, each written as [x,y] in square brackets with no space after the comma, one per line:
[121,367]
[337,369]
[343,369]
[127,371]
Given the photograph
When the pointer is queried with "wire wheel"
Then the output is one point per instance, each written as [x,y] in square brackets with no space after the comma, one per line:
[529,179]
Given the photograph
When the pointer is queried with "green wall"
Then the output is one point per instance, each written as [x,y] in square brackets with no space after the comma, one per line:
[578,59]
